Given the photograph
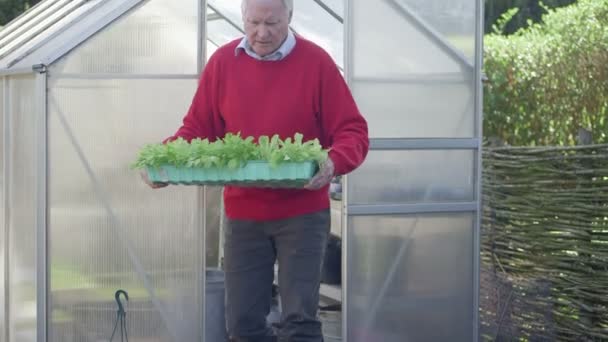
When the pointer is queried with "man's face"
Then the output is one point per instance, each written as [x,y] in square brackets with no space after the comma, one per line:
[266,25]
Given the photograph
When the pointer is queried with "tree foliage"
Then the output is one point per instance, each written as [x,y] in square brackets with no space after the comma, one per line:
[528,11]
[10,9]
[550,80]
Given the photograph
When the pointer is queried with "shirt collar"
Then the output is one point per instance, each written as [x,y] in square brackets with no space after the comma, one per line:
[282,51]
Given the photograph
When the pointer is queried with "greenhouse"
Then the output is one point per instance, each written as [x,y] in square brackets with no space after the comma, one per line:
[86,83]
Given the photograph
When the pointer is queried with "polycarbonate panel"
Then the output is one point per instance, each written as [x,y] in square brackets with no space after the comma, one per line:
[410,278]
[108,121]
[22,210]
[387,44]
[406,80]
[39,10]
[159,37]
[231,10]
[28,54]
[421,176]
[314,23]
[220,32]
[35,28]
[3,243]
[417,109]
[454,20]
[335,5]
[20,33]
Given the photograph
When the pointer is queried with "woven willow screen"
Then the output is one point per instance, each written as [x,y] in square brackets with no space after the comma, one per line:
[545,244]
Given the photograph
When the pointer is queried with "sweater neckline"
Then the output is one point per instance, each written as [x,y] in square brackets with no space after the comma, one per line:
[295,50]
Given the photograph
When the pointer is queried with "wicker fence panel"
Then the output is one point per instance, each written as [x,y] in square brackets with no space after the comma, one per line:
[545,244]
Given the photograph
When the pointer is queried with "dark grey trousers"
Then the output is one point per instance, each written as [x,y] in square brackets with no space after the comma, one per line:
[250,251]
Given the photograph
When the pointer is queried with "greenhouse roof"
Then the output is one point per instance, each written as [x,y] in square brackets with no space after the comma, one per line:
[52,28]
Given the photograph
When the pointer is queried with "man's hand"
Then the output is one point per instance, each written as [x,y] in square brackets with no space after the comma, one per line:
[146,179]
[323,176]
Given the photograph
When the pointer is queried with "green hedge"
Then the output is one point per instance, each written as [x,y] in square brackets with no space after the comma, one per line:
[549,80]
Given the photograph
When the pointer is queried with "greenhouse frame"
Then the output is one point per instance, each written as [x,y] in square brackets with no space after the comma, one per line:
[86,83]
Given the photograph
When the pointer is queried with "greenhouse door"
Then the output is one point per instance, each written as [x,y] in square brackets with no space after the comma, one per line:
[412,210]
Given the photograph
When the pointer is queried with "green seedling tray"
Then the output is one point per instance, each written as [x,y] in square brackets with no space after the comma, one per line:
[252,174]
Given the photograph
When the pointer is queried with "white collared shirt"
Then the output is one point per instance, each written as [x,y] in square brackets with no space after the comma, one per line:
[280,53]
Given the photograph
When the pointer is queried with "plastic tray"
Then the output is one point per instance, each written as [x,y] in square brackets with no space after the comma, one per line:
[252,174]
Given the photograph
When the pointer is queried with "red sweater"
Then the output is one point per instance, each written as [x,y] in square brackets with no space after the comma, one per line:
[304,92]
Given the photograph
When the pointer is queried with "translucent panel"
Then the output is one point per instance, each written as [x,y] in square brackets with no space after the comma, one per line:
[406,80]
[410,278]
[159,37]
[220,32]
[335,5]
[104,220]
[211,48]
[38,26]
[309,20]
[66,15]
[416,110]
[229,9]
[22,210]
[3,244]
[314,23]
[38,11]
[387,44]
[28,27]
[389,177]
[454,20]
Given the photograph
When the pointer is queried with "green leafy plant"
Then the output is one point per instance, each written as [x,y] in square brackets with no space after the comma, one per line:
[230,152]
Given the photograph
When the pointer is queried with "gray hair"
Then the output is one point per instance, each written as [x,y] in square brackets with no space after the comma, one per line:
[288,4]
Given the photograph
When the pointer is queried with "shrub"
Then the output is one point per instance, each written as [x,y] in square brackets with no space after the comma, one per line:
[549,80]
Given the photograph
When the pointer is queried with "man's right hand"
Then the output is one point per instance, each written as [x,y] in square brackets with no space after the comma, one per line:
[146,179]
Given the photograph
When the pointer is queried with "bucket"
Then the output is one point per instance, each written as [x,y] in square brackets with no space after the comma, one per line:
[215,323]
[331,320]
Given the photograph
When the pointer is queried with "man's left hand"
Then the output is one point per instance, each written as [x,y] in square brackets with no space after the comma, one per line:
[323,176]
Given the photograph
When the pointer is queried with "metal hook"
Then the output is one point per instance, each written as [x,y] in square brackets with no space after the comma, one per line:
[121,309]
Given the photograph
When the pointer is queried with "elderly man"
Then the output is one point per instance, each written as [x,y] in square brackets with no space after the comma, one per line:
[273,82]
